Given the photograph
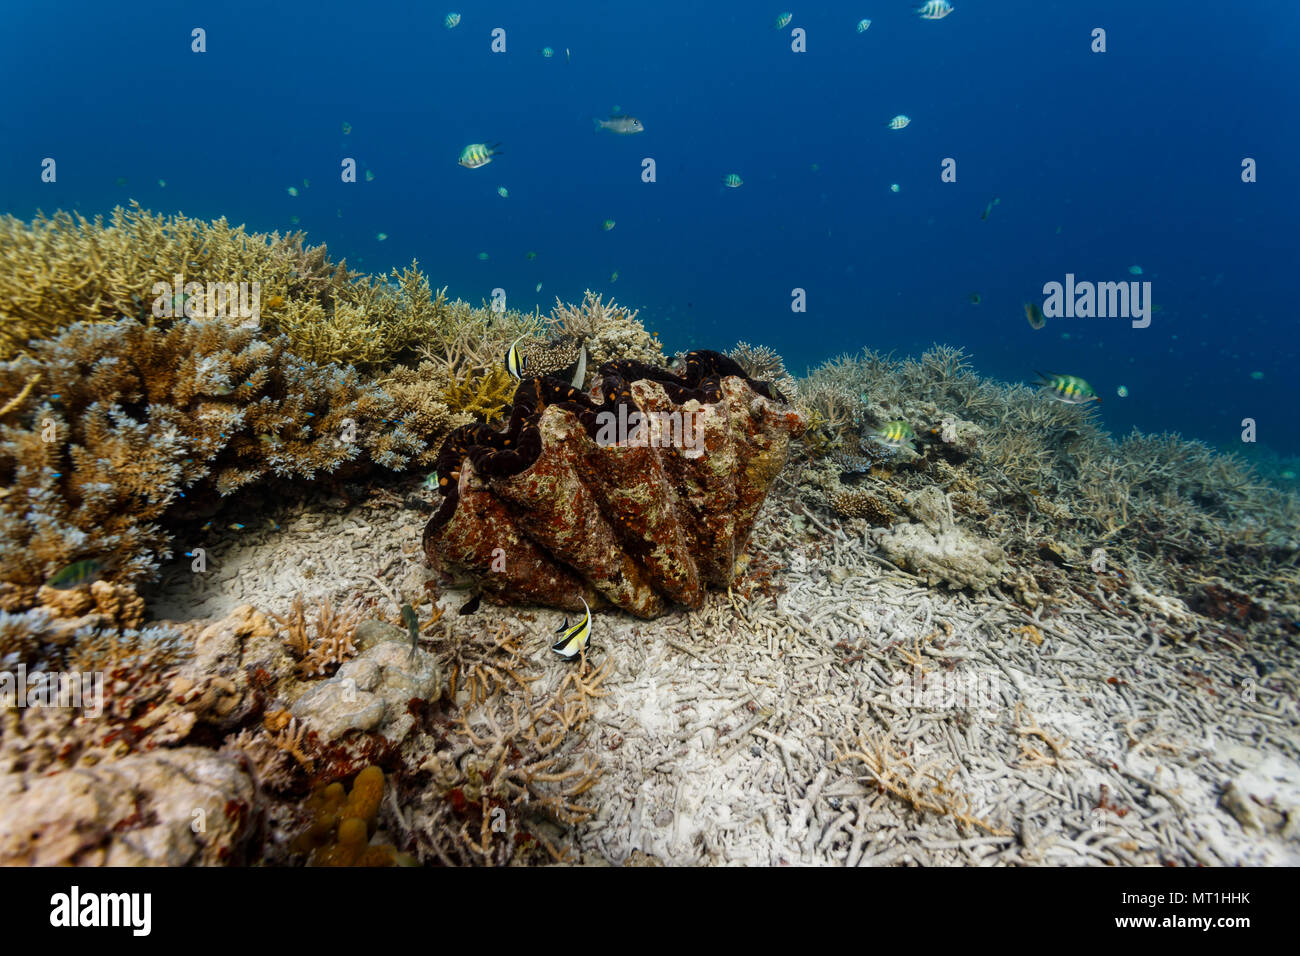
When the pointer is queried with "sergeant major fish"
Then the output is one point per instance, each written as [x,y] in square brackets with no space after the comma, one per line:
[478,154]
[1069,389]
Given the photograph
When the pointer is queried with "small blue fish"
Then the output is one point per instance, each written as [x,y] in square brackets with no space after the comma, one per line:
[573,638]
[236,526]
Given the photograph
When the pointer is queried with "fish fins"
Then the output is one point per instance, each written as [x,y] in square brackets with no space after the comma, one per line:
[563,627]
[470,606]
[580,374]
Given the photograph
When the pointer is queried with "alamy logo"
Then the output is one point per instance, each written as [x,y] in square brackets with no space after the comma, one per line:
[103,909]
[1102,300]
[675,429]
[194,300]
[53,689]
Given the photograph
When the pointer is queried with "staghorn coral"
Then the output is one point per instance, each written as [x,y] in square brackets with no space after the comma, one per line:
[764,364]
[582,511]
[607,329]
[321,646]
[834,416]
[63,269]
[129,421]
[1036,467]
[482,397]
[368,322]
[505,773]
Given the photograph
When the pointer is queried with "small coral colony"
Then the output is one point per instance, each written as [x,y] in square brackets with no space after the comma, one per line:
[563,461]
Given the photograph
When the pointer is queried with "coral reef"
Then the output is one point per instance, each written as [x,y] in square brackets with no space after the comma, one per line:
[341,823]
[321,646]
[371,692]
[609,331]
[635,520]
[504,776]
[764,364]
[131,425]
[180,807]
[64,269]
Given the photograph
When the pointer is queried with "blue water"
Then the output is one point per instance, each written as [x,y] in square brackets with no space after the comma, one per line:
[1100,162]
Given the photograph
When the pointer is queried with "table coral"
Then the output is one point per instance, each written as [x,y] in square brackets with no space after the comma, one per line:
[550,511]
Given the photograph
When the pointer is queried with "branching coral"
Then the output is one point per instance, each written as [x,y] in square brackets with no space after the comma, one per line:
[607,329]
[925,791]
[63,269]
[127,421]
[322,645]
[483,397]
[368,322]
[505,772]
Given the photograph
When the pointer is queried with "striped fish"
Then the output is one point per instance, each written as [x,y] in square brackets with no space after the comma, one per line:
[77,574]
[934,9]
[782,21]
[895,434]
[1067,388]
[899,121]
[573,637]
[515,362]
[478,154]
[451,21]
[732,181]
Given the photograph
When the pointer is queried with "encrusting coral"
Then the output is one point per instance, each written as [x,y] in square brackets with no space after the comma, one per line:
[590,503]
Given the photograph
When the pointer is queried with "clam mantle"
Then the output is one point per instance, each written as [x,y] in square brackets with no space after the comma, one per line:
[639,494]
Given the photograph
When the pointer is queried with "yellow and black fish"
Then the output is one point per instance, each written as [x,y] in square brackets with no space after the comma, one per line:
[515,362]
[478,154]
[75,575]
[895,434]
[573,637]
[1067,388]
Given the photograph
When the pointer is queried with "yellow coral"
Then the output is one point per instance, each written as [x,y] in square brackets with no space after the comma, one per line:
[340,825]
[66,268]
[483,396]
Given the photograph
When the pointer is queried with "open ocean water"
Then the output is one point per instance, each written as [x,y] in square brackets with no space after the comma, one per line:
[1101,163]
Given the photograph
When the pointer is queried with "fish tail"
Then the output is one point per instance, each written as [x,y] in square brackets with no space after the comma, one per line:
[595,125]
[1043,379]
